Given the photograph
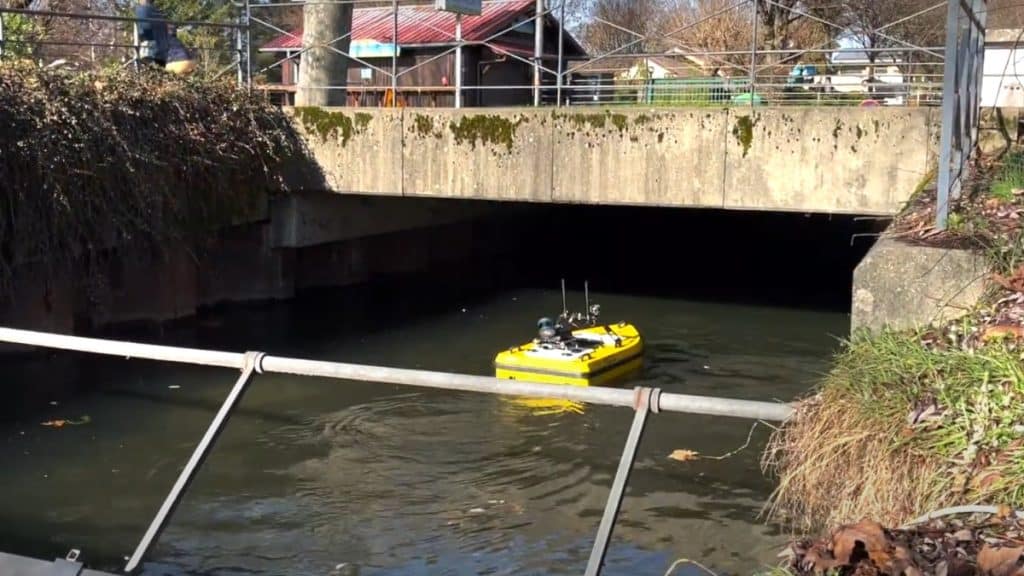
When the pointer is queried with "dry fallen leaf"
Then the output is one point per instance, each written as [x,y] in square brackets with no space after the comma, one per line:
[818,559]
[867,534]
[1004,561]
[684,455]
[55,423]
[1002,331]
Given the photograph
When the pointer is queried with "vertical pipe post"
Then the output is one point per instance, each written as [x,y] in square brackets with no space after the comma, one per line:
[1,35]
[949,104]
[753,53]
[252,361]
[611,510]
[977,70]
[561,54]
[394,52]
[248,44]
[538,50]
[458,60]
[135,43]
[239,51]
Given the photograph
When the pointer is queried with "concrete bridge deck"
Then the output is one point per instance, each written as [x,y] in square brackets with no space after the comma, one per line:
[830,160]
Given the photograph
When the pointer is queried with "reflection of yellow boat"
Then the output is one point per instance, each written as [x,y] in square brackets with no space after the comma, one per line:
[568,353]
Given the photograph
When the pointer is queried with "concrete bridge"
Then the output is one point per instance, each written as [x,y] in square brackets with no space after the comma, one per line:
[829,159]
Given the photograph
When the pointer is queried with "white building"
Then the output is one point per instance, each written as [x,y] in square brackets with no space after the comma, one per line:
[1003,82]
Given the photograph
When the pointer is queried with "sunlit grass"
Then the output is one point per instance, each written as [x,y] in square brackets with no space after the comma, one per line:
[850,451]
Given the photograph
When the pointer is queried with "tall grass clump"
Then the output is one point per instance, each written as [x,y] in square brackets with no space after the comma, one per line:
[898,429]
[1009,179]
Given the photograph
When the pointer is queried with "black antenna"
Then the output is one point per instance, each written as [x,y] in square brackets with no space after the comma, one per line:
[565,310]
[586,296]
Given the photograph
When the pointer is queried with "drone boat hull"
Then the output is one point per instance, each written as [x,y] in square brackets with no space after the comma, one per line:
[601,354]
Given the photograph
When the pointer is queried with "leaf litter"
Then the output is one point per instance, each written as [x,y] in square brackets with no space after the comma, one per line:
[977,545]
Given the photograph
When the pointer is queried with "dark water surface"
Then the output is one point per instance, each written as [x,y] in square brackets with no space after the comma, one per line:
[312,474]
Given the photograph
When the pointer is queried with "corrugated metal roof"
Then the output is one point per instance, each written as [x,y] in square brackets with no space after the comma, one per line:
[422,24]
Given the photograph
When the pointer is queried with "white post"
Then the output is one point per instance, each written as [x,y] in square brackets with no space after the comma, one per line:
[458,60]
[561,54]
[538,50]
[394,53]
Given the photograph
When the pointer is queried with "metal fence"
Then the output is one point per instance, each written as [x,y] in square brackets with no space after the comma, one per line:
[643,401]
[928,54]
[86,40]
[675,63]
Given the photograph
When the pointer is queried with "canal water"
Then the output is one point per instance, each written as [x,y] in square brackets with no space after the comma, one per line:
[320,477]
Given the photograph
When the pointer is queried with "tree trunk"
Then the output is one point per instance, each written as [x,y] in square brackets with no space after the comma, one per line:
[320,65]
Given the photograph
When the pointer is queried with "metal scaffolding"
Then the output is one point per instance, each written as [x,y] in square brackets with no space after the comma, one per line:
[688,70]
[965,56]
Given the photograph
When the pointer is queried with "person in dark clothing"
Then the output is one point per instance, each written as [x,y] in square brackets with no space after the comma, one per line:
[152,36]
[179,59]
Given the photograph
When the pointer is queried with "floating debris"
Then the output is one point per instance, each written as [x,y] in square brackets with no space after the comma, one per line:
[684,455]
[62,423]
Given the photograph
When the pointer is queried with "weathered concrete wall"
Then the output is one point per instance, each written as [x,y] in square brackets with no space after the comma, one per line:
[905,286]
[837,160]
[847,160]
[307,219]
[308,240]
[497,155]
[1000,128]
[363,148]
[640,157]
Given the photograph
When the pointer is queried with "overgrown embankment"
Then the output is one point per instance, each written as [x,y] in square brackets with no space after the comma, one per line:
[95,160]
[908,422]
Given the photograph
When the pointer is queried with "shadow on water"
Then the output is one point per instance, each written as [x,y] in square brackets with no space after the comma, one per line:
[312,474]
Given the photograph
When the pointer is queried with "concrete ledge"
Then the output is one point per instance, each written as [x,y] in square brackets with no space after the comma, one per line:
[903,286]
[825,159]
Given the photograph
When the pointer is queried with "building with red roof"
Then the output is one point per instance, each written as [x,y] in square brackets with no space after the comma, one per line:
[497,58]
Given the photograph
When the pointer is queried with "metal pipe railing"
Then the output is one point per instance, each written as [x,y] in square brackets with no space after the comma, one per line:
[642,400]
[667,402]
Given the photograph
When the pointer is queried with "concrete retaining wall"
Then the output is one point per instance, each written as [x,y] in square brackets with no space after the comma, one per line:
[308,240]
[835,160]
[903,286]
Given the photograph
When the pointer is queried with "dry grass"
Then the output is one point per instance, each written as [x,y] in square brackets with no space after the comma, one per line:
[898,429]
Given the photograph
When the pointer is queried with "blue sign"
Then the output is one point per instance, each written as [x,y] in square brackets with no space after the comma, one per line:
[373,49]
[469,7]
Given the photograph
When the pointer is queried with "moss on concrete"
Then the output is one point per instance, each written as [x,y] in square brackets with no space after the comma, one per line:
[327,125]
[743,131]
[363,121]
[423,126]
[486,129]
[602,121]
[838,129]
